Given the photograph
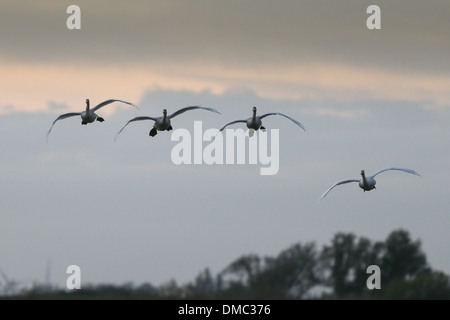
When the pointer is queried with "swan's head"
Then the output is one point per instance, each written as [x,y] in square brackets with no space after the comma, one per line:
[362,172]
[254,109]
[87,101]
[165,112]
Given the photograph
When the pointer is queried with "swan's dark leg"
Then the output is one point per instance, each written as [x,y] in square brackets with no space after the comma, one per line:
[169,128]
[83,122]
[263,129]
[153,132]
[100,119]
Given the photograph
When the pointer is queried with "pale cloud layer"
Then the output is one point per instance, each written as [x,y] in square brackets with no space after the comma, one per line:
[72,85]
[123,211]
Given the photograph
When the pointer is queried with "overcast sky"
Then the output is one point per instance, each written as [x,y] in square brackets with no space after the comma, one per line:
[122,211]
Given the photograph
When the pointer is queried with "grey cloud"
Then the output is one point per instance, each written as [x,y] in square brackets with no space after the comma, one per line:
[53,105]
[414,35]
[7,107]
[124,212]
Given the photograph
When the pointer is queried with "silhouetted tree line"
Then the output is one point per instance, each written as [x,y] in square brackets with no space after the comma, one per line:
[337,271]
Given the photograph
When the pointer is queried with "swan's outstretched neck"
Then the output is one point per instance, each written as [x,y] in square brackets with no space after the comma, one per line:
[363,174]
[254,113]
[87,106]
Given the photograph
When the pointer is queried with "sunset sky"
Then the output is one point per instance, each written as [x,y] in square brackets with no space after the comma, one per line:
[122,211]
[296,49]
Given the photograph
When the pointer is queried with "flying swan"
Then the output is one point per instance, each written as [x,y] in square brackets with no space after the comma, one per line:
[163,123]
[367,183]
[255,123]
[89,115]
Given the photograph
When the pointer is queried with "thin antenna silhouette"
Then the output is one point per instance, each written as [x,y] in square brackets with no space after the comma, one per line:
[10,285]
[48,275]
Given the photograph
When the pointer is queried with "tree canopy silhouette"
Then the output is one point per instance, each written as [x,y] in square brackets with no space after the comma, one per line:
[337,271]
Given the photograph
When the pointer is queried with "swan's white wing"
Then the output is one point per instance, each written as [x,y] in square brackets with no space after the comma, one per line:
[280,114]
[336,184]
[134,119]
[191,108]
[63,116]
[104,103]
[235,121]
[394,168]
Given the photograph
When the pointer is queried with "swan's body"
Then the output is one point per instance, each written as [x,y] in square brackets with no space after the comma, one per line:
[255,122]
[163,123]
[88,115]
[367,183]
